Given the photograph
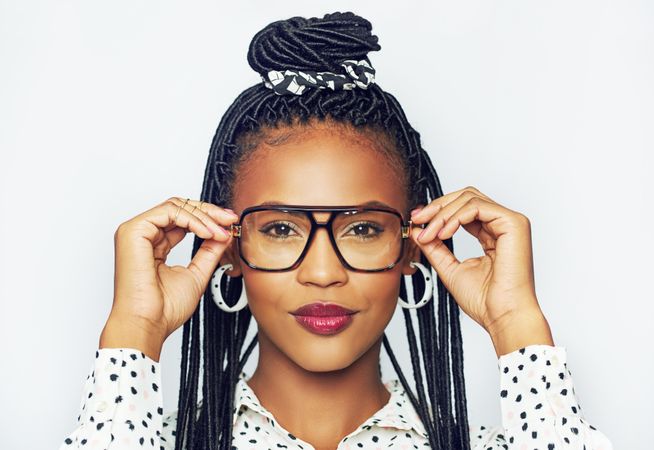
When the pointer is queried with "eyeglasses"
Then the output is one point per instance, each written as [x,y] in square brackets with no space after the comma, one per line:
[276,238]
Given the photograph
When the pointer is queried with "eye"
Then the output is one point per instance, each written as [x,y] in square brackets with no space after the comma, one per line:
[281,230]
[365,230]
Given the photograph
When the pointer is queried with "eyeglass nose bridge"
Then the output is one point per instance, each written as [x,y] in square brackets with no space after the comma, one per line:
[315,226]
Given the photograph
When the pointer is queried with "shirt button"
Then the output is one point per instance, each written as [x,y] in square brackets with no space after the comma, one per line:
[101,406]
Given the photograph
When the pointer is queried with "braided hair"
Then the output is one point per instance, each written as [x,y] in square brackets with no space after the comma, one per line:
[316,44]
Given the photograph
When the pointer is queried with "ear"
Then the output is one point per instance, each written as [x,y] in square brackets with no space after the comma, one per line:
[411,253]
[230,256]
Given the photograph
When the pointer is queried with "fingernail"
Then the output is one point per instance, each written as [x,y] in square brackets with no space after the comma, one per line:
[414,211]
[231,211]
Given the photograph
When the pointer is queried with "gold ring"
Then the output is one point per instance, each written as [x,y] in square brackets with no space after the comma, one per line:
[178,210]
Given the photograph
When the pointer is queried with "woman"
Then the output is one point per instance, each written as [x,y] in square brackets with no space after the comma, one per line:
[332,202]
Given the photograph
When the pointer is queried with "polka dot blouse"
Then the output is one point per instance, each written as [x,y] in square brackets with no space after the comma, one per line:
[121,408]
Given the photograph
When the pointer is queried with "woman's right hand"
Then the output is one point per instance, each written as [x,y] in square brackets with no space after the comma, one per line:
[151,299]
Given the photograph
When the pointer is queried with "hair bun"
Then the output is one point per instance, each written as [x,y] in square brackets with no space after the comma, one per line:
[318,44]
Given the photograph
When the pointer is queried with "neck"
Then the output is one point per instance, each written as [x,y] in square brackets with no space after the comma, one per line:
[338,400]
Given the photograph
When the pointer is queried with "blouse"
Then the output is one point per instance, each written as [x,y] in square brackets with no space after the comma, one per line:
[121,408]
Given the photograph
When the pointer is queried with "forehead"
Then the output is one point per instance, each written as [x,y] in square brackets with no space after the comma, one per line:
[319,167]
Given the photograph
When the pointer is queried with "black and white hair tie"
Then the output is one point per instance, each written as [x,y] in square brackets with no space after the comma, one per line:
[357,74]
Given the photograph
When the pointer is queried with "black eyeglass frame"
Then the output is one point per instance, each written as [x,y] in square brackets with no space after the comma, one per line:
[235,230]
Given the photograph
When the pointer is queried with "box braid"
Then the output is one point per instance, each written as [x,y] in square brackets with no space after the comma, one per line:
[316,44]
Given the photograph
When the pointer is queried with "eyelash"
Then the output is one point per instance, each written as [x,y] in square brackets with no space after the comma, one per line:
[271,225]
[375,227]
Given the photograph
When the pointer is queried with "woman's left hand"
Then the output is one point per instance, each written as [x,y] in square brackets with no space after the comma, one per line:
[497,289]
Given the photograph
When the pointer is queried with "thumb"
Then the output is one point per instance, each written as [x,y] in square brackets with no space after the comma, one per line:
[439,256]
[206,259]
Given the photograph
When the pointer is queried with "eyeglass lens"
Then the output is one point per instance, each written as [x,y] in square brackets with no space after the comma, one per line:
[367,240]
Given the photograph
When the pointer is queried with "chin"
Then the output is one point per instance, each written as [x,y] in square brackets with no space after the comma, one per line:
[315,363]
[324,355]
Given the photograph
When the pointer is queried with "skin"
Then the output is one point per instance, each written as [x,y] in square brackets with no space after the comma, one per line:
[301,377]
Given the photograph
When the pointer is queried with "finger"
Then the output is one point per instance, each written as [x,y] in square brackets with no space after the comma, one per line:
[468,216]
[439,256]
[476,209]
[430,209]
[169,240]
[175,236]
[434,223]
[215,218]
[476,228]
[223,216]
[442,214]
[155,223]
[206,260]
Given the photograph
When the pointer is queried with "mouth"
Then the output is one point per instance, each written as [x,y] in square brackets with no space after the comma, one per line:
[324,318]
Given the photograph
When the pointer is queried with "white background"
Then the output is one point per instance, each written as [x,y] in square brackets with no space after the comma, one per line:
[108,108]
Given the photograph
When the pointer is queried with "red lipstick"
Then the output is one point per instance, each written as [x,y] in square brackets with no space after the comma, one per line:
[323,318]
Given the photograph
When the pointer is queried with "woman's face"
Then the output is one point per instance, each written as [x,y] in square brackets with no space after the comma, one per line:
[321,167]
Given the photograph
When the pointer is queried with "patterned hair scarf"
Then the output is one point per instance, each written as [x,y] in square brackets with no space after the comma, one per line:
[357,74]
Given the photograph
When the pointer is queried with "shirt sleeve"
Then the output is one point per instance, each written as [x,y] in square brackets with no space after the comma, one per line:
[121,405]
[539,406]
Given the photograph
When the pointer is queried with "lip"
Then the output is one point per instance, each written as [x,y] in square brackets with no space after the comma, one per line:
[322,309]
[324,318]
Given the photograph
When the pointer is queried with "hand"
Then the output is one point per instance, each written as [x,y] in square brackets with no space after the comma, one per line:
[497,289]
[151,299]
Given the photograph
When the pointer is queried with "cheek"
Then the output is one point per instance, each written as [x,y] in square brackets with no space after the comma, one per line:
[379,294]
[268,293]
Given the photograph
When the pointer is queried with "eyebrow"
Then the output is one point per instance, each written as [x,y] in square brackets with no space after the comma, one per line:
[368,203]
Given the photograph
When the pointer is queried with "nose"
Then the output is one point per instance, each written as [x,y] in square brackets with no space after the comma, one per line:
[321,265]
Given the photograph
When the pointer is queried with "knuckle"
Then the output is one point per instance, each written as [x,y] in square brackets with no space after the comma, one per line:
[171,201]
[120,230]
[471,197]
[524,220]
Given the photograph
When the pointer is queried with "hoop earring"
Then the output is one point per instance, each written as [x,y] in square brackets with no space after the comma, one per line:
[429,288]
[218,296]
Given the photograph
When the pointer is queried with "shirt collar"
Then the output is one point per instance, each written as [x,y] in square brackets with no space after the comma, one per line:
[397,413]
